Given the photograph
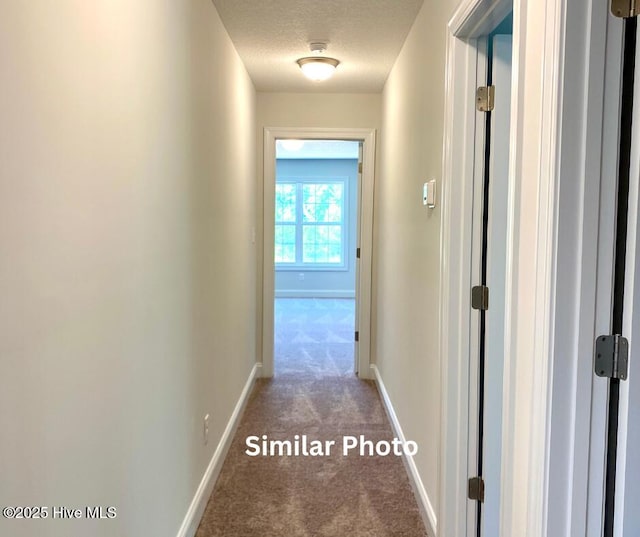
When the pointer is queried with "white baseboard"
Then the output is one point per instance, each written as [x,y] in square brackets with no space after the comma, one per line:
[320,293]
[196,509]
[426,508]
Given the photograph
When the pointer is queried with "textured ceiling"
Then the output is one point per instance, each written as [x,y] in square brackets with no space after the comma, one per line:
[365,35]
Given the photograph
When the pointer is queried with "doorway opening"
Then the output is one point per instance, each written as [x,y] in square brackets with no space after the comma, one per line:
[318,234]
[315,256]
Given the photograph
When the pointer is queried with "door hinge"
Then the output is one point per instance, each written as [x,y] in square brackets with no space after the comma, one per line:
[485,98]
[476,489]
[357,335]
[480,297]
[359,167]
[612,357]
[357,253]
[625,8]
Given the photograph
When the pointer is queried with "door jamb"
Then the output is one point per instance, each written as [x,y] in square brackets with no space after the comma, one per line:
[555,104]
[472,20]
[363,293]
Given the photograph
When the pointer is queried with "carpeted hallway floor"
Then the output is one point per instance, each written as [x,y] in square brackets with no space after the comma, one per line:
[313,393]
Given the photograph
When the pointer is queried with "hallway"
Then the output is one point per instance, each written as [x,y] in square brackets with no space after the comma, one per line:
[314,392]
[138,244]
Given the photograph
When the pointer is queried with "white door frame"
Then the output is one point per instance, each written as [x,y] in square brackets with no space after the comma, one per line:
[458,345]
[363,293]
[556,157]
[627,519]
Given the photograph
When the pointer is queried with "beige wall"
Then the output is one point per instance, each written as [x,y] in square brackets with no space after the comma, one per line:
[127,168]
[319,110]
[327,110]
[407,249]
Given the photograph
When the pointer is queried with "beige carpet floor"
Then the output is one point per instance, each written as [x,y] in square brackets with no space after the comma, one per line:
[315,393]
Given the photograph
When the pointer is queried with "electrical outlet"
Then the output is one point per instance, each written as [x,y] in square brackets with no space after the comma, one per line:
[205,430]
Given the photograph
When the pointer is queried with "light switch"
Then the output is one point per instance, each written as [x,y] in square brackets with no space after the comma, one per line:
[429,194]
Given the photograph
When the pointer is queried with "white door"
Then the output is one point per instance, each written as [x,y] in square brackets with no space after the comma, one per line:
[496,280]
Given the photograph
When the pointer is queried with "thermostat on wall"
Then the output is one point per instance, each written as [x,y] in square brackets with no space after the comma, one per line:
[429,194]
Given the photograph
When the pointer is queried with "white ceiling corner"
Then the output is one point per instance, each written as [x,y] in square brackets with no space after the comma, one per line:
[365,35]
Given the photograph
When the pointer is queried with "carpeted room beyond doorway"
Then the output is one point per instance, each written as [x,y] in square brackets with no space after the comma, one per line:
[315,393]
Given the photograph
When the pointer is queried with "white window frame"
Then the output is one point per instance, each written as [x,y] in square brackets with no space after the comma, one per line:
[299,264]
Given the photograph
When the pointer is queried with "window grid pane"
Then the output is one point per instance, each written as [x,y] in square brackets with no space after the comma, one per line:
[285,241]
[322,244]
[286,202]
[322,202]
[310,232]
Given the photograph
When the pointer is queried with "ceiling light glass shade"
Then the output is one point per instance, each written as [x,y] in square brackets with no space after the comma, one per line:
[318,69]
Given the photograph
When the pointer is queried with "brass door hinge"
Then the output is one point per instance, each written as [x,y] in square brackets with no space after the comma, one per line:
[625,9]
[480,297]
[476,489]
[485,98]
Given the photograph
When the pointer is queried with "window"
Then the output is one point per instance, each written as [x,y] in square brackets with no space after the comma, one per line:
[310,224]
[286,218]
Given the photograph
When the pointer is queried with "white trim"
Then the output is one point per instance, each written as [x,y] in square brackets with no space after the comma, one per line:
[531,281]
[584,259]
[196,509]
[475,221]
[456,245]
[592,392]
[477,18]
[365,210]
[551,226]
[424,503]
[321,293]
[540,156]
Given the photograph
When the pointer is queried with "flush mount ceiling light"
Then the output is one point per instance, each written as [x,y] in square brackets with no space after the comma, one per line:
[318,68]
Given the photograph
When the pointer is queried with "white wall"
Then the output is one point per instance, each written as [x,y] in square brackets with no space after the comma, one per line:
[319,110]
[127,166]
[407,247]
